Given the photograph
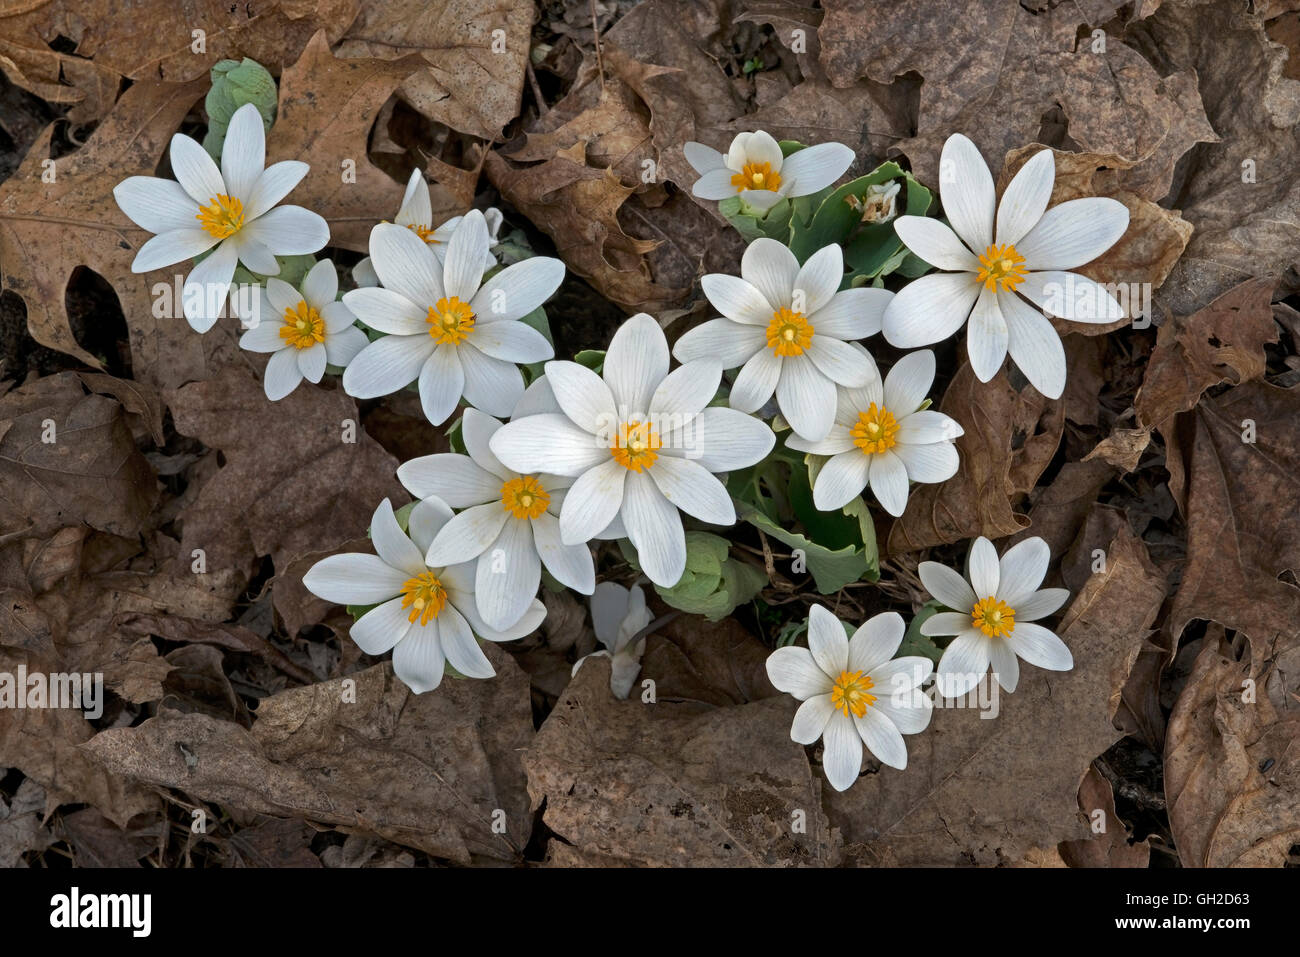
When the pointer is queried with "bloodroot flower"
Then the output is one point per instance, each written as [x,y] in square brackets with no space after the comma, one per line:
[991,265]
[755,170]
[303,330]
[854,692]
[786,325]
[993,616]
[232,208]
[427,615]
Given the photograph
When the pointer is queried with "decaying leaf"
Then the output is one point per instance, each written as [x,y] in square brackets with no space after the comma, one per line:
[1109,844]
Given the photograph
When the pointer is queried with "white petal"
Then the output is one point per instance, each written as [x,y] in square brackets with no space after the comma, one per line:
[771,268]
[806,398]
[1034,345]
[416,209]
[986,337]
[685,391]
[477,429]
[882,738]
[1071,296]
[910,712]
[1021,570]
[158,205]
[525,626]
[1073,233]
[815,167]
[837,441]
[1041,604]
[929,309]
[714,185]
[841,752]
[354,578]
[965,661]
[508,574]
[195,170]
[550,442]
[936,243]
[537,398]
[811,718]
[392,544]
[728,343]
[386,365]
[263,337]
[463,266]
[312,362]
[840,362]
[841,480]
[690,487]
[466,535]
[702,158]
[592,502]
[736,299]
[320,287]
[364,275]
[458,644]
[517,290]
[244,152]
[207,286]
[282,374]
[584,397]
[454,478]
[635,364]
[947,623]
[255,254]
[931,463]
[724,439]
[826,640]
[1025,198]
[426,521]
[172,247]
[418,659]
[571,565]
[982,567]
[947,586]
[654,527]
[818,279]
[1005,665]
[966,189]
[404,264]
[852,313]
[1040,647]
[378,630]
[442,382]
[288,231]
[493,385]
[756,381]
[926,427]
[387,311]
[756,147]
[875,642]
[791,669]
[272,185]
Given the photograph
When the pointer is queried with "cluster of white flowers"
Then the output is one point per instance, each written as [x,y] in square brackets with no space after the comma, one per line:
[624,451]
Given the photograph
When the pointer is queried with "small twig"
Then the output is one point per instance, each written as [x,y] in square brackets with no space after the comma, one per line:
[600,60]
[536,87]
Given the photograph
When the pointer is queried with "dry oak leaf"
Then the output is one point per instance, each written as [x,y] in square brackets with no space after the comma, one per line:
[362,753]
[1224,342]
[718,663]
[980,791]
[661,785]
[327,106]
[68,458]
[1232,766]
[1010,437]
[473,51]
[299,473]
[1113,845]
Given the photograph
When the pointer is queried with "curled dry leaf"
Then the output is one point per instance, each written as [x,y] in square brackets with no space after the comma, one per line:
[1112,846]
[980,791]
[361,753]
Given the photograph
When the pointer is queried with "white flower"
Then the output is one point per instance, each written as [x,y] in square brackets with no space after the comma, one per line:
[854,692]
[993,616]
[1027,254]
[510,524]
[787,326]
[446,327]
[304,330]
[230,208]
[618,615]
[880,202]
[882,438]
[416,214]
[754,169]
[641,445]
[427,615]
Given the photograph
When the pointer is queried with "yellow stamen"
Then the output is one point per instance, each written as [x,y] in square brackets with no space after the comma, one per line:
[425,596]
[849,693]
[524,497]
[1001,266]
[789,333]
[303,327]
[757,176]
[994,617]
[875,431]
[222,217]
[450,320]
[637,446]
[424,232]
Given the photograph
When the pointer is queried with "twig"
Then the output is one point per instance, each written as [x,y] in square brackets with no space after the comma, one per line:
[537,87]
[600,60]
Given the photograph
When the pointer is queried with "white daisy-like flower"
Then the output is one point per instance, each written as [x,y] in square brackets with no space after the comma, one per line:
[1026,253]
[510,523]
[787,326]
[882,438]
[446,327]
[426,615]
[993,616]
[304,330]
[755,170]
[640,444]
[232,208]
[854,692]
[618,615]
[416,214]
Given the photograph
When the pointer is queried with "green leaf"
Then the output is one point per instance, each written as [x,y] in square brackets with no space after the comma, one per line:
[234,84]
[713,583]
[915,643]
[537,319]
[831,569]
[593,359]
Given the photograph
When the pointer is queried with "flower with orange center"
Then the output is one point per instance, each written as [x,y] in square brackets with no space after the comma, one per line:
[303,326]
[1001,267]
[850,693]
[994,617]
[424,232]
[524,497]
[789,333]
[757,176]
[425,596]
[875,430]
[222,217]
[637,446]
[450,321]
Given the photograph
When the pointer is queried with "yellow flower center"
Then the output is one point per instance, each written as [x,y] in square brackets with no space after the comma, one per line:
[1001,266]
[789,333]
[221,217]
[424,232]
[524,497]
[757,176]
[303,327]
[994,617]
[875,430]
[850,693]
[450,320]
[636,447]
[425,596]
